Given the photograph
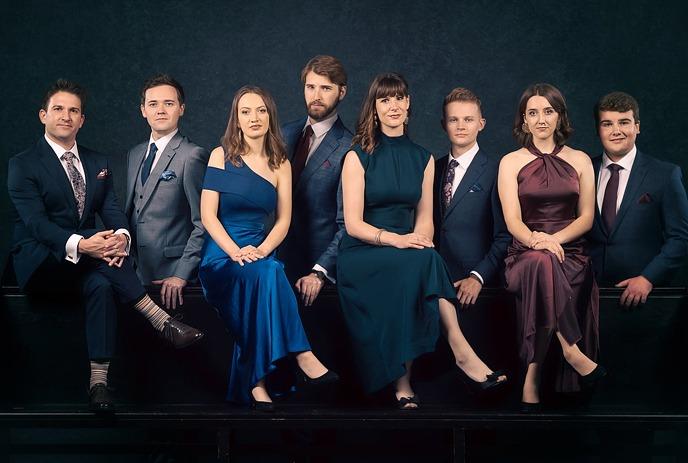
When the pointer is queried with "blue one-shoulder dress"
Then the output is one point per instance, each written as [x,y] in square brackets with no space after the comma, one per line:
[255,301]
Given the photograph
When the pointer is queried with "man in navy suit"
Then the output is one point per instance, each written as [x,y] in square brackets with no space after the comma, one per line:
[640,234]
[316,145]
[57,187]
[470,233]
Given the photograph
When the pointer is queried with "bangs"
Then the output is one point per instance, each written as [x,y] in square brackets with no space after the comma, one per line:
[390,86]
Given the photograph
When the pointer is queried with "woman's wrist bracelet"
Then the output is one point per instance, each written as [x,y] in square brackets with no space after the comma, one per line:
[378,242]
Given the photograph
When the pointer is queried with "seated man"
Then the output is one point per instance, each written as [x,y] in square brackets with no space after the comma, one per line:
[57,187]
[640,234]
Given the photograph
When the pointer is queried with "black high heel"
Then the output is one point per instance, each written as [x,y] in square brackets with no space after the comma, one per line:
[404,402]
[262,406]
[590,380]
[328,378]
[492,380]
[531,407]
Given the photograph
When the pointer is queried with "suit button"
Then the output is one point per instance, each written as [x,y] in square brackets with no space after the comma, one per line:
[140,196]
[137,211]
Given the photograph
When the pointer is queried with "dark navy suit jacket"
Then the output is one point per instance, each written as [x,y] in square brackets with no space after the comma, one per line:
[650,234]
[471,233]
[46,213]
[317,222]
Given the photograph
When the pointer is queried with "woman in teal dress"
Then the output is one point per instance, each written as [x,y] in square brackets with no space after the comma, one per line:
[395,290]
[248,178]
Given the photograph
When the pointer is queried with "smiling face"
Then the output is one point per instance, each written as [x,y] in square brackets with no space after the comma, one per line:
[617,132]
[62,118]
[462,122]
[540,117]
[322,96]
[253,116]
[162,110]
[392,112]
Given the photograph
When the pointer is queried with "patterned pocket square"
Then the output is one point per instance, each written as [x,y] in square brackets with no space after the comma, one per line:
[645,199]
[168,175]
[475,188]
[327,164]
[103,174]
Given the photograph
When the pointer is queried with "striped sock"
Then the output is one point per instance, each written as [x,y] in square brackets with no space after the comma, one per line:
[155,315]
[99,371]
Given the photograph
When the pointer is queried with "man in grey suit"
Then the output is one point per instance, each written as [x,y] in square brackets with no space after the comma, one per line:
[316,145]
[164,180]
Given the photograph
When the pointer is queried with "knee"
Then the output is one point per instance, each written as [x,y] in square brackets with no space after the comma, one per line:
[97,286]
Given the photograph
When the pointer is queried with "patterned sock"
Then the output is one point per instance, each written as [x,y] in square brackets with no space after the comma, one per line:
[99,372]
[155,315]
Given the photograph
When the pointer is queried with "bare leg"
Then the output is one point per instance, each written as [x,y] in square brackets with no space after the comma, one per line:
[403,385]
[260,392]
[577,359]
[310,364]
[531,385]
[464,355]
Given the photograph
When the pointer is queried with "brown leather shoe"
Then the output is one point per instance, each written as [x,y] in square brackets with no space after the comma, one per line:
[100,400]
[179,334]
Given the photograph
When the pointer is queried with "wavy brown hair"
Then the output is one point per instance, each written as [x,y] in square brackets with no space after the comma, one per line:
[383,86]
[563,130]
[233,140]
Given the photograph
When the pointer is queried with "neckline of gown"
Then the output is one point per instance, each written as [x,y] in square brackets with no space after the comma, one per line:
[535,151]
[386,139]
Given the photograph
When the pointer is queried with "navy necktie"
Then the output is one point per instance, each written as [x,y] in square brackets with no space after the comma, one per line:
[148,163]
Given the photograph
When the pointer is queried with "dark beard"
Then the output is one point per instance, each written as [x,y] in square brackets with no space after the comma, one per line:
[328,112]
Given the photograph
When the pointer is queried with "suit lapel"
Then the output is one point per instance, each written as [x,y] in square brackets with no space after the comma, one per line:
[475,170]
[134,164]
[57,174]
[164,161]
[90,173]
[596,163]
[638,172]
[292,138]
[328,146]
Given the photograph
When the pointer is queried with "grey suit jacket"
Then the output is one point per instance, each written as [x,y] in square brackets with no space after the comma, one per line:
[168,234]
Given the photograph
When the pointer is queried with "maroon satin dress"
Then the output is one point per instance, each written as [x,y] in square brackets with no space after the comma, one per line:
[551,295]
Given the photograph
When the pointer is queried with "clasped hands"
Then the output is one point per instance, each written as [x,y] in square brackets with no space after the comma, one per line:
[106,245]
[247,254]
[545,241]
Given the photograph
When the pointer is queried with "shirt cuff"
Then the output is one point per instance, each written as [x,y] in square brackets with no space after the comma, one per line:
[125,232]
[72,249]
[477,275]
[322,269]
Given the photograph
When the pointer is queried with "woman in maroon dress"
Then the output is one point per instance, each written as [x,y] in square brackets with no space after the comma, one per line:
[547,191]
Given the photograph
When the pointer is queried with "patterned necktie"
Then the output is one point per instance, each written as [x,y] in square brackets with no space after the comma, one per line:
[148,163]
[301,154]
[448,182]
[78,184]
[610,195]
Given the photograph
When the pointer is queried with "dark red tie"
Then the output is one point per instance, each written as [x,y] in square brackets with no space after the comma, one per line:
[611,193]
[301,154]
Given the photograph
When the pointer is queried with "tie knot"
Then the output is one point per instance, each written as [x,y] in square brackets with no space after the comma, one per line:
[68,156]
[614,167]
[453,163]
[308,131]
[153,148]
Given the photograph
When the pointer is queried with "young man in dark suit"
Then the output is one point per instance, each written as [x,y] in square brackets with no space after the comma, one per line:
[57,188]
[640,234]
[316,145]
[470,233]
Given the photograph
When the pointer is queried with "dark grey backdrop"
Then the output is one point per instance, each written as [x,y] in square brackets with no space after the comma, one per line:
[496,48]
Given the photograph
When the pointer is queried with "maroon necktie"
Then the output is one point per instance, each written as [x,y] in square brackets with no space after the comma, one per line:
[448,183]
[610,194]
[301,154]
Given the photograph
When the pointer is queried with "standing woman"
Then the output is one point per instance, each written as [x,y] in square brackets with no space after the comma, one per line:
[547,190]
[248,178]
[393,287]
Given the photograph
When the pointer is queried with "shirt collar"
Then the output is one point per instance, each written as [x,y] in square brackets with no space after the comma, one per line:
[466,158]
[59,151]
[322,127]
[626,162]
[162,142]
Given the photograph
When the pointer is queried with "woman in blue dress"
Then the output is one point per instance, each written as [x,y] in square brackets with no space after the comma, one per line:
[248,178]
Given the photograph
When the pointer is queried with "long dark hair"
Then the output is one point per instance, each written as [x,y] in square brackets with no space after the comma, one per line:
[233,140]
[383,86]
[556,99]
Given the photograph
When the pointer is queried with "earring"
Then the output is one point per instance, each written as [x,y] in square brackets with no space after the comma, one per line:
[524,128]
[375,120]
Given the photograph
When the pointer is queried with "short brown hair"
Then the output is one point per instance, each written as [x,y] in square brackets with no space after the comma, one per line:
[563,130]
[64,85]
[328,66]
[162,79]
[461,94]
[619,102]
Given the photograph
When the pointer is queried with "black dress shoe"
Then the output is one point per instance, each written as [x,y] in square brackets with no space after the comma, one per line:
[179,334]
[328,378]
[492,381]
[591,379]
[99,399]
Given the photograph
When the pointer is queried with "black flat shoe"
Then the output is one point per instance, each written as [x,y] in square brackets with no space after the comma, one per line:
[492,381]
[328,378]
[404,402]
[591,379]
[262,406]
[529,407]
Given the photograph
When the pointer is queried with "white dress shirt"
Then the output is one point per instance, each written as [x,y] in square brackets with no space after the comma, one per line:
[320,130]
[464,161]
[626,163]
[161,143]
[72,253]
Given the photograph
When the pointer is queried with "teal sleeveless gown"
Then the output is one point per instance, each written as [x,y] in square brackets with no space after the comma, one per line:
[389,296]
